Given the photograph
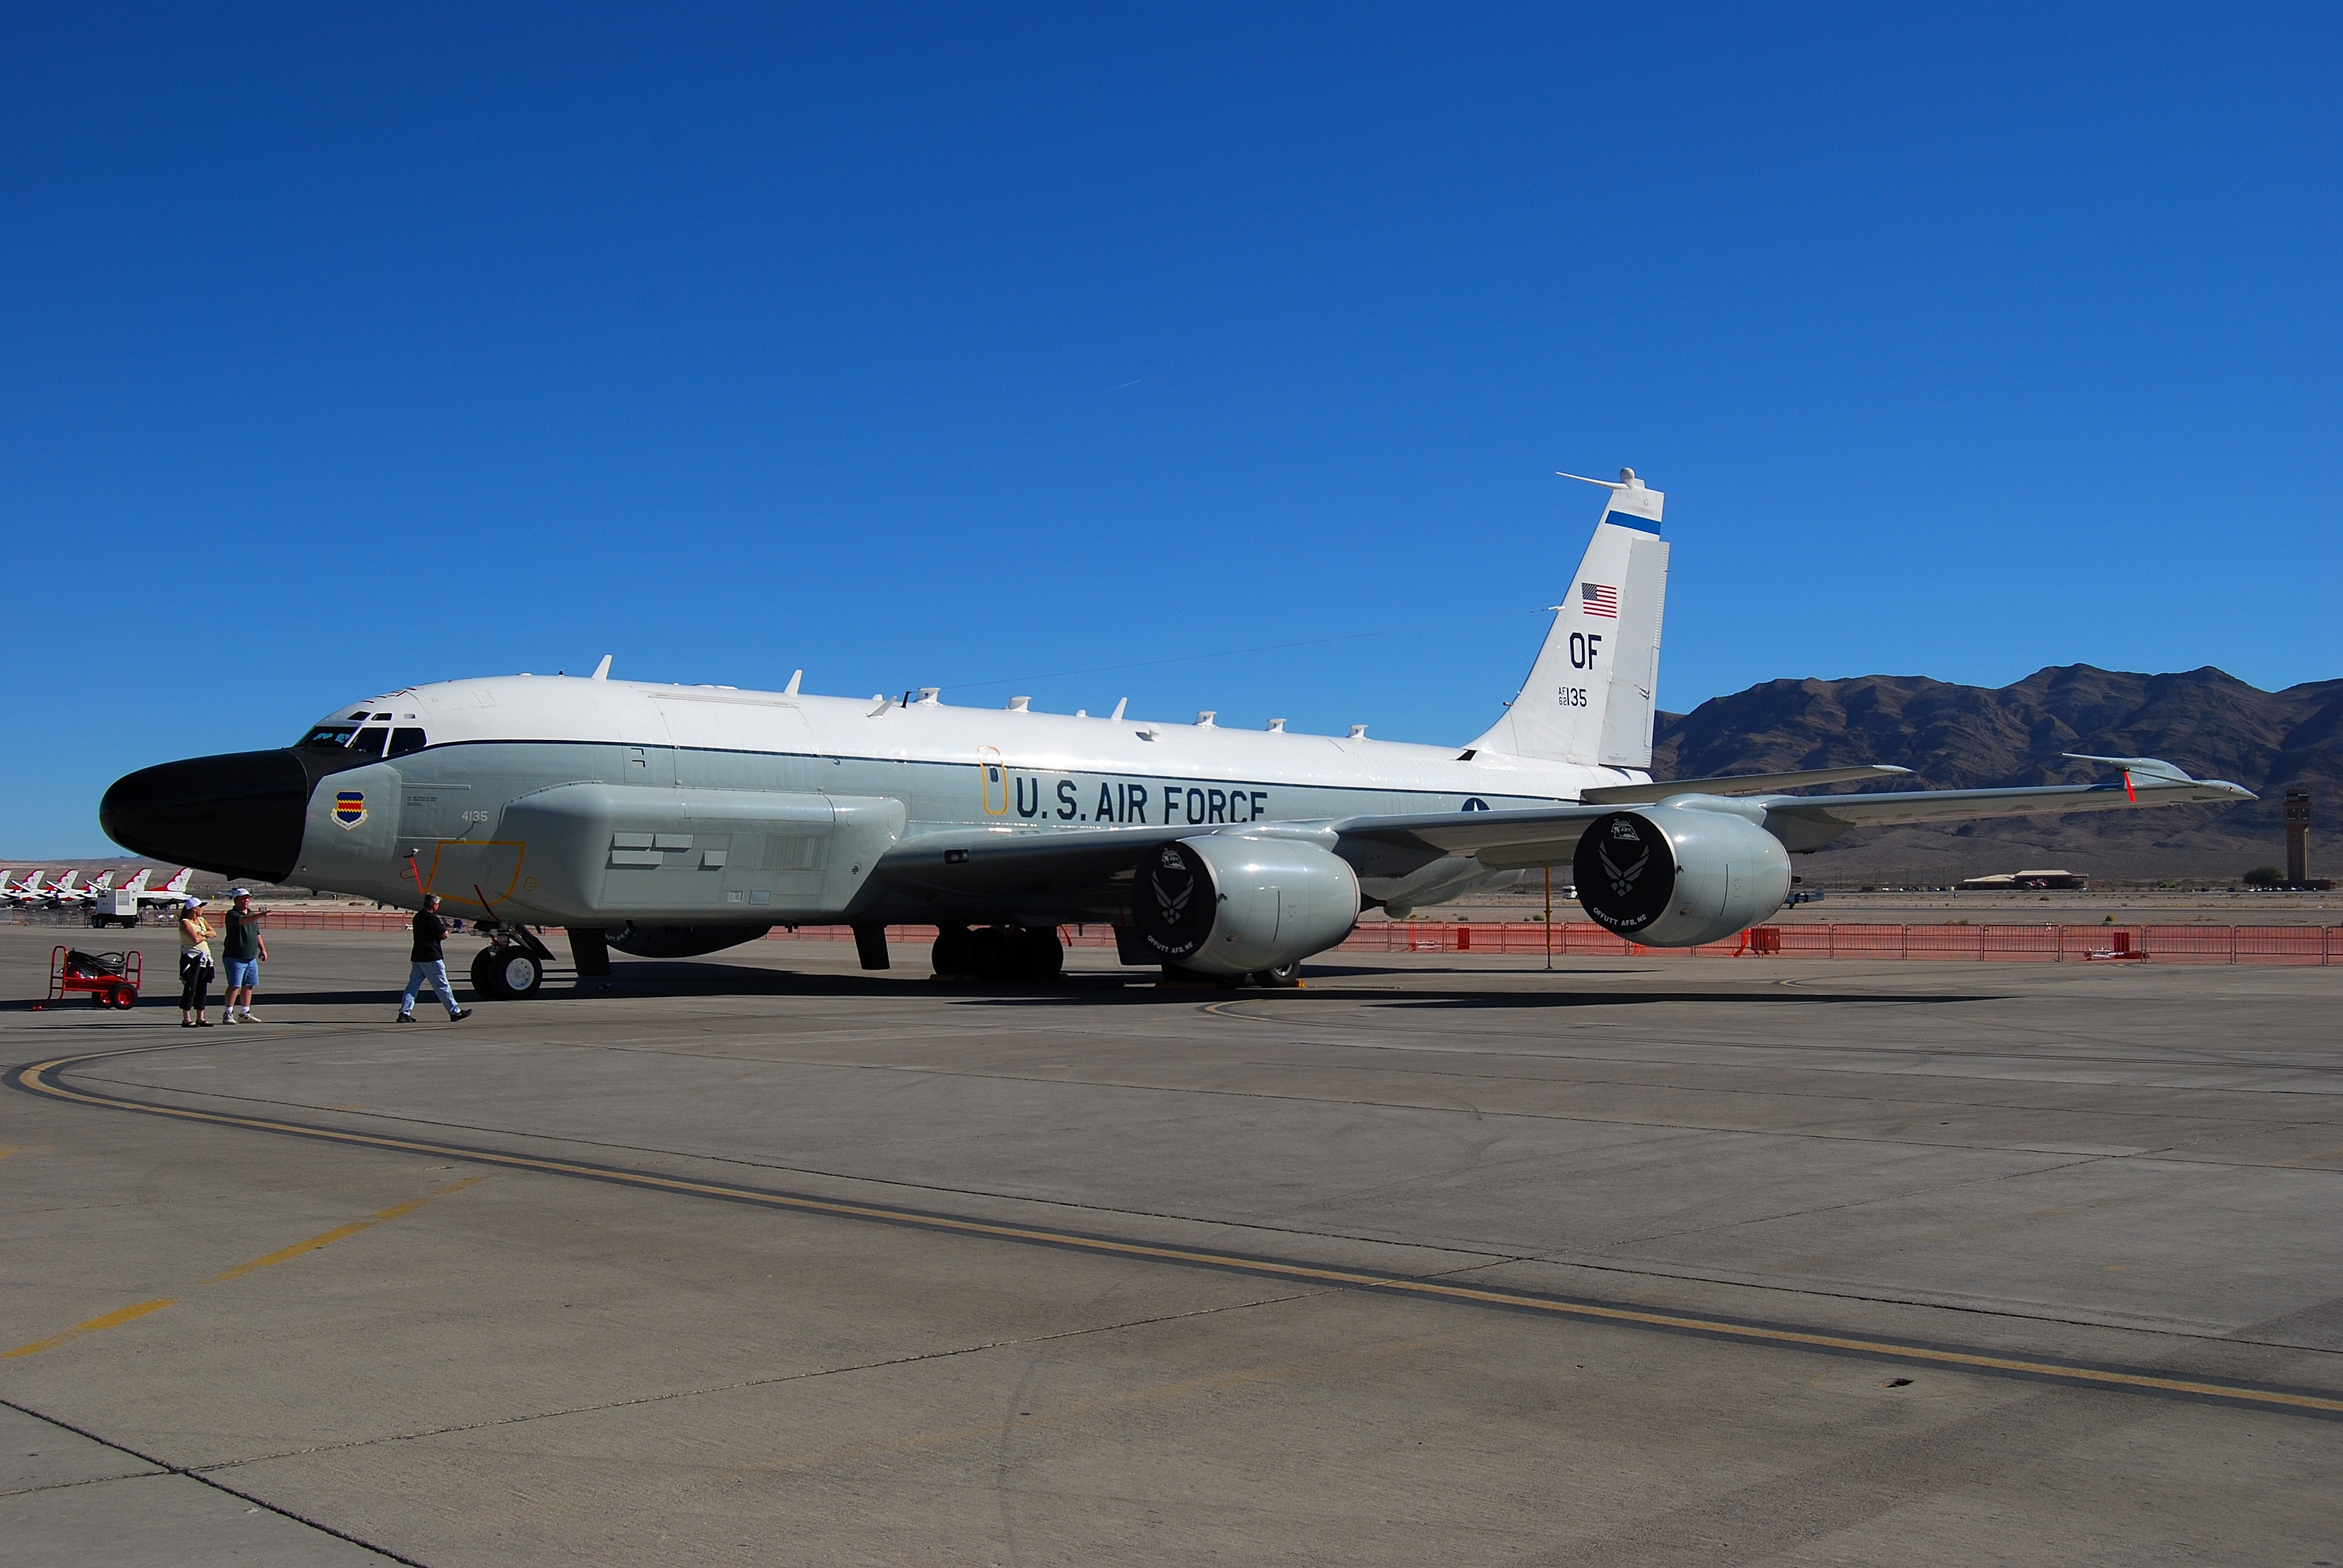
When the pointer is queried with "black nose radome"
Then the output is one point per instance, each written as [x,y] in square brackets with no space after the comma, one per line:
[239,815]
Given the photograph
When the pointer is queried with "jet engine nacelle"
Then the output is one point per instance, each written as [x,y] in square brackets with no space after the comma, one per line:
[1676,876]
[1225,904]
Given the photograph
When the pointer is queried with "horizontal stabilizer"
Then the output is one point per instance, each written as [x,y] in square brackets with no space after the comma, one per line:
[2139,767]
[1742,784]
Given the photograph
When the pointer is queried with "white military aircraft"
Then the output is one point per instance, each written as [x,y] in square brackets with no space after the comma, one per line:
[670,820]
[65,889]
[26,889]
[66,894]
[171,893]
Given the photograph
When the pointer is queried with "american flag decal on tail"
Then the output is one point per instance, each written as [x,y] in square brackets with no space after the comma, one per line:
[1596,600]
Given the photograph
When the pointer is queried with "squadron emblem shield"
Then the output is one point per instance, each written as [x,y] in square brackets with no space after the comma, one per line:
[349,807]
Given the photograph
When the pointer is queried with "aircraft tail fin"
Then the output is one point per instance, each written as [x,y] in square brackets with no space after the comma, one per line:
[1589,697]
[137,884]
[179,882]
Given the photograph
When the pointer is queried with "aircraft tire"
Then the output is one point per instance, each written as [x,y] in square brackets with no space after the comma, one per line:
[1285,977]
[520,975]
[487,978]
[954,955]
[993,953]
[1043,954]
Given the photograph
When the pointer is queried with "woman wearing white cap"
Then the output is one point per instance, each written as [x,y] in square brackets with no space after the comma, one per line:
[195,964]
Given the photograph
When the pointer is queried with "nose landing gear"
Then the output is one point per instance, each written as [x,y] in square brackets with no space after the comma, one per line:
[512,967]
[507,973]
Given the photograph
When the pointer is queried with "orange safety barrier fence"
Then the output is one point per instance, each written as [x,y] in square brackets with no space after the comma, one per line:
[1977,944]
[338,919]
[2321,945]
[1998,944]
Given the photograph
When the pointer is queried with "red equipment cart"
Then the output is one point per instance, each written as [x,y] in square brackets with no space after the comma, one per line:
[111,979]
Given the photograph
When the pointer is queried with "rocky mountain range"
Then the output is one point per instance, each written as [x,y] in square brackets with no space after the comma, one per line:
[1968,737]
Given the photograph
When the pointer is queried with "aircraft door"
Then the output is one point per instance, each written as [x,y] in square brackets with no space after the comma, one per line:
[463,870]
[992,776]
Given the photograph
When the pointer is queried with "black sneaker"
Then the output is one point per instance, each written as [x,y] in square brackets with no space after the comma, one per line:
[459,1016]
[404,1018]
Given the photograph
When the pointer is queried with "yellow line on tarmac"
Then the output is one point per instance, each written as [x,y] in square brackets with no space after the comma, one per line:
[109,1321]
[283,1254]
[40,1079]
[340,1232]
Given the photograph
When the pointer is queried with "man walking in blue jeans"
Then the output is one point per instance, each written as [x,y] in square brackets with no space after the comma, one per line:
[428,966]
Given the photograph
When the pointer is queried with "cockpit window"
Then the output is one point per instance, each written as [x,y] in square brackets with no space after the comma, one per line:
[403,741]
[328,737]
[359,717]
[370,740]
[382,716]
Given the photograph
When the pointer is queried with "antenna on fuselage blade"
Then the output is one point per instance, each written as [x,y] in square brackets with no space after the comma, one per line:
[1119,704]
[791,689]
[601,670]
[1626,481]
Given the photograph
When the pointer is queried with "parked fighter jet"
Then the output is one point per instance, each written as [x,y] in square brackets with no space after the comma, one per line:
[669,820]
[65,889]
[171,894]
[68,894]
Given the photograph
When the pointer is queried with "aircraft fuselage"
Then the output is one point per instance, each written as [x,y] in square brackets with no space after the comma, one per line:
[571,801]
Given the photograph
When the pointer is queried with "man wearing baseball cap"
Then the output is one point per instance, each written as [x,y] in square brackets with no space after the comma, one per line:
[245,948]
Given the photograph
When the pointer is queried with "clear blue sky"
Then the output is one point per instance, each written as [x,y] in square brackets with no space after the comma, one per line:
[343,348]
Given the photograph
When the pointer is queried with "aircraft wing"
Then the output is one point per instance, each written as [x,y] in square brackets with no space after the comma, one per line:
[1731,784]
[1548,835]
[1502,840]
[1096,863]
[1048,866]
[1810,821]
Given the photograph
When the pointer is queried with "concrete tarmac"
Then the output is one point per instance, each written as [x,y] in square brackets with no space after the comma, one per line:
[758,1258]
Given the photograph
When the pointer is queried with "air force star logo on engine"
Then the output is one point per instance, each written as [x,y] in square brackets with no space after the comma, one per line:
[1624,877]
[1173,905]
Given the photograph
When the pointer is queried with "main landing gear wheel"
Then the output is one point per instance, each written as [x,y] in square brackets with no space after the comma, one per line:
[1042,956]
[506,974]
[954,954]
[1285,977]
[1031,954]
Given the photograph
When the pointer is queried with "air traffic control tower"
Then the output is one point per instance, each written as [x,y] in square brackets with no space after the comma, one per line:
[2297,837]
